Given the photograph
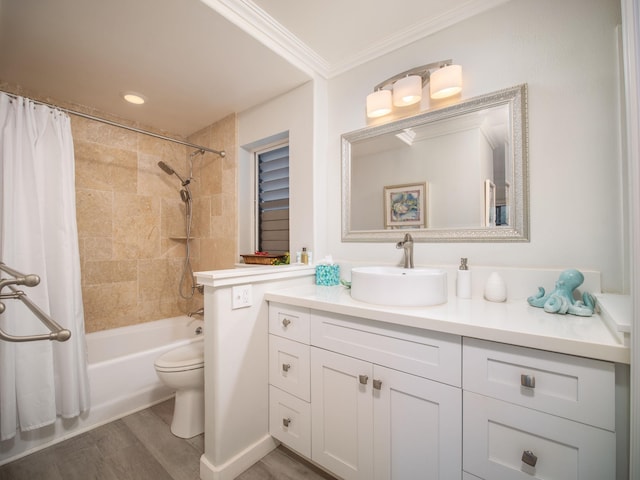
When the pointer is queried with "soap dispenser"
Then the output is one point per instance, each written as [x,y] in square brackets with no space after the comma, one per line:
[463,280]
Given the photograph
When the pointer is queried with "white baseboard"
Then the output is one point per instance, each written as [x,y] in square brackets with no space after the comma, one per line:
[237,464]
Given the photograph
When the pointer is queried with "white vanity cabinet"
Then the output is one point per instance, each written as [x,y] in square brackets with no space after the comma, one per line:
[385,400]
[369,399]
[372,422]
[534,414]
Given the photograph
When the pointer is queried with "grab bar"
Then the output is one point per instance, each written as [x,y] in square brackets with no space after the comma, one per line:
[56,331]
[19,278]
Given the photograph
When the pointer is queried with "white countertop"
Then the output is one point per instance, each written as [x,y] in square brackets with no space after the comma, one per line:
[514,322]
[252,273]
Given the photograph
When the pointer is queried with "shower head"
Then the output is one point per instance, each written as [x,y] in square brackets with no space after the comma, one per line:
[171,171]
[166,168]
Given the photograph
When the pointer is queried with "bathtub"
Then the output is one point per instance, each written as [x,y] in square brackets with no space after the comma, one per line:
[121,372]
[122,379]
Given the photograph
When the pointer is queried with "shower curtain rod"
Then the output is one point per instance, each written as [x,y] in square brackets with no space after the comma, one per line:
[222,153]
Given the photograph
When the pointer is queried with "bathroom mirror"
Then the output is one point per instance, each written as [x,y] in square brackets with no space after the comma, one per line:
[458,173]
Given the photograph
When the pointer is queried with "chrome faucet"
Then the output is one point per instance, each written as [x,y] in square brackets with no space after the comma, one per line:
[407,246]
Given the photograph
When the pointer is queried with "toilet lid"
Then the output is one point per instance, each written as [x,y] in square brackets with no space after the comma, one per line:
[189,356]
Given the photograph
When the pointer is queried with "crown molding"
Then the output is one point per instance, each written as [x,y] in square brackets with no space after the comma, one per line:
[246,15]
[413,33]
[255,21]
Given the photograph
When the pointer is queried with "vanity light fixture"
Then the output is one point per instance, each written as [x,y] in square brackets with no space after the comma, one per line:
[445,80]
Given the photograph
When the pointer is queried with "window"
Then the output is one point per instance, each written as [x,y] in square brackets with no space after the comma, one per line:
[273,199]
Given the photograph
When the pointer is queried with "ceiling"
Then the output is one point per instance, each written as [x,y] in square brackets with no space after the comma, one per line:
[197,61]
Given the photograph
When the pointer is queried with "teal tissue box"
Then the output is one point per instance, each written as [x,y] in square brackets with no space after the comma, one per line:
[327,275]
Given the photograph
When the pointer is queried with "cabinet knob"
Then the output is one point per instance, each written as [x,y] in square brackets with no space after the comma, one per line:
[377,384]
[528,381]
[286,367]
[529,458]
[363,379]
[286,322]
[286,421]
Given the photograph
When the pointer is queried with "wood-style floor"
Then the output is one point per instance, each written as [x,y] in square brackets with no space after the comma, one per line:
[141,447]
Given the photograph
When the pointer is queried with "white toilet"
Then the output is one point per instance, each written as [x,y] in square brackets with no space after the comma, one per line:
[183,369]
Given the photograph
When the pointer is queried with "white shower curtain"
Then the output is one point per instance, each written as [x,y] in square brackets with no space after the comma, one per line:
[38,234]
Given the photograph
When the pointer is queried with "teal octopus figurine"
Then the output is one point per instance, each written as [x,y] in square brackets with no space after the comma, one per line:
[561,300]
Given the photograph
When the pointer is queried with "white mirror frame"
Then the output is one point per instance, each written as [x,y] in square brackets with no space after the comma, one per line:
[517,231]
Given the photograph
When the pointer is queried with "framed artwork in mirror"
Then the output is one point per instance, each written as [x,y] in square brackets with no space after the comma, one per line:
[405,206]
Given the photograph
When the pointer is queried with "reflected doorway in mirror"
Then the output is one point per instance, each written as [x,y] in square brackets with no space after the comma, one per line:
[489,203]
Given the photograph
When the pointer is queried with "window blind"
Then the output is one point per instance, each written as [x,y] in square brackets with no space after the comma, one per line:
[273,200]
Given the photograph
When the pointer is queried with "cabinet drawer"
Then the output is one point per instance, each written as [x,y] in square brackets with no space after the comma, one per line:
[289,366]
[428,354]
[576,388]
[496,435]
[290,421]
[289,322]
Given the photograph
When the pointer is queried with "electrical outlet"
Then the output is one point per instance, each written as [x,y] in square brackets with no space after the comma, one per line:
[241,296]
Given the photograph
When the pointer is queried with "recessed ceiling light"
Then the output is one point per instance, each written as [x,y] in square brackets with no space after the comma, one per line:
[134,98]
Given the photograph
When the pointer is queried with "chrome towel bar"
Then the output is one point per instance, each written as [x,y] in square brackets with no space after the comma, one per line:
[56,331]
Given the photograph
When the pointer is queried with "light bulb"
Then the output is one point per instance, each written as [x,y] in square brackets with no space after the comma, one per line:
[134,98]
[378,103]
[446,81]
[407,91]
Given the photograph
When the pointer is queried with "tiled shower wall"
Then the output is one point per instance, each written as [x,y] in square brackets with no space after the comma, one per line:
[131,219]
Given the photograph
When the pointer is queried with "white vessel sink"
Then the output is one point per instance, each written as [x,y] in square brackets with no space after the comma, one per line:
[397,286]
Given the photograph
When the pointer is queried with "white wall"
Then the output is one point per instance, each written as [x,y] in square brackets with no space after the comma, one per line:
[236,375]
[288,115]
[566,52]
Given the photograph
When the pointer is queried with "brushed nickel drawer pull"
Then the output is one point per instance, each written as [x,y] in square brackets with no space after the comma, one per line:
[286,367]
[377,384]
[363,379]
[528,381]
[529,458]
[286,421]
[286,322]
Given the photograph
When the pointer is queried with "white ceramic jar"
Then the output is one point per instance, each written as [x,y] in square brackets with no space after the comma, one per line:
[495,290]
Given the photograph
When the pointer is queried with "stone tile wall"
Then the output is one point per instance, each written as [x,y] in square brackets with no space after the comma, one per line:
[131,219]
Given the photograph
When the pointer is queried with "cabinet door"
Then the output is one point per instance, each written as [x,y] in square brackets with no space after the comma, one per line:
[341,414]
[417,427]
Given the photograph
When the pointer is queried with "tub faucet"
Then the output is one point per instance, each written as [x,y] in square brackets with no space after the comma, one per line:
[407,246]
[200,311]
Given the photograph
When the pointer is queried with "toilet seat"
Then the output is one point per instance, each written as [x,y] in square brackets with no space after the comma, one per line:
[188,357]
